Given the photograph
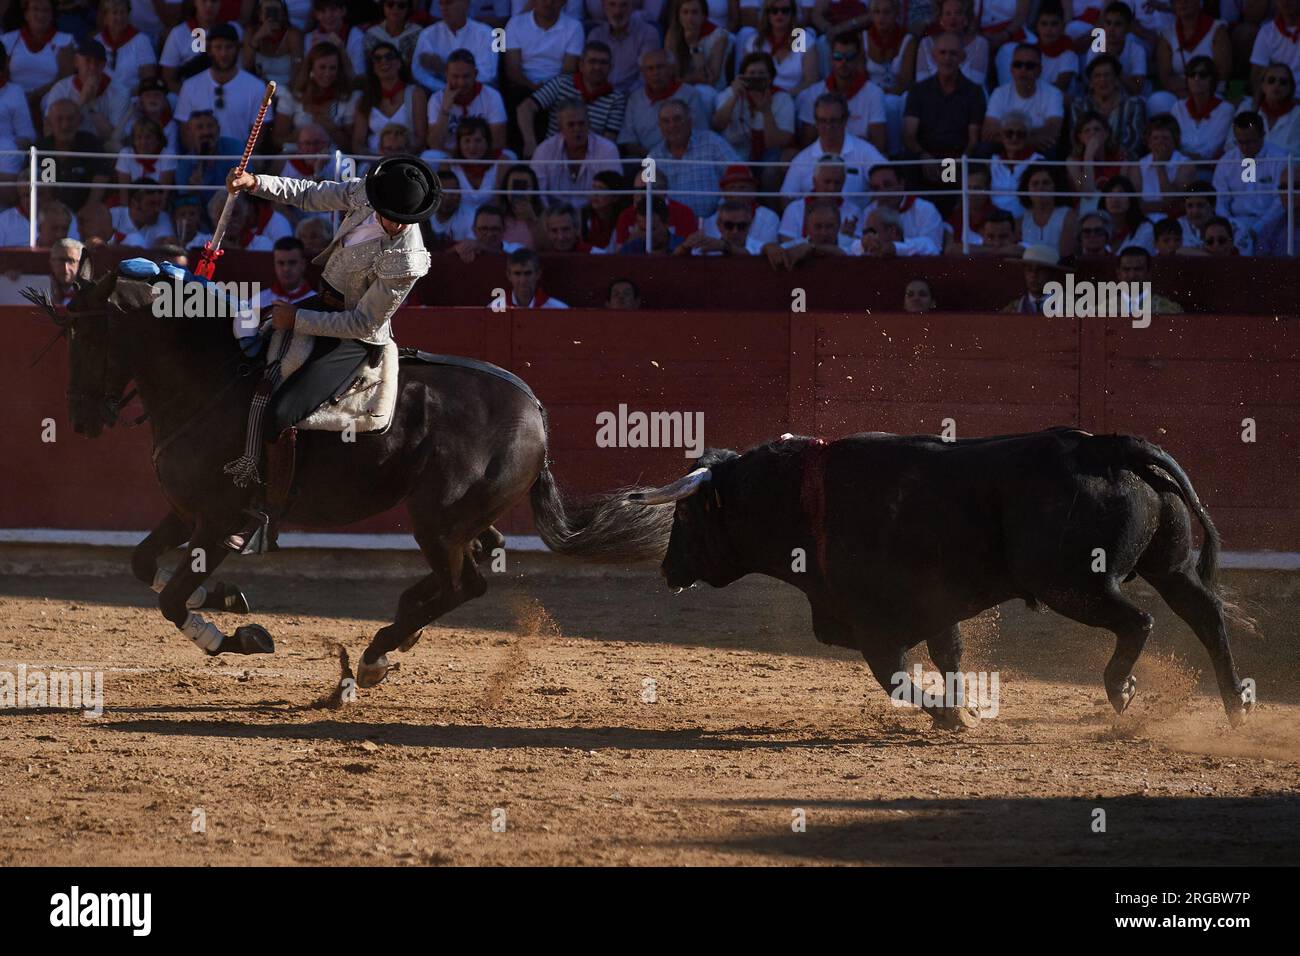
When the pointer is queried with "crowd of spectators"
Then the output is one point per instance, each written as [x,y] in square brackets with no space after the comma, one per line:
[771,128]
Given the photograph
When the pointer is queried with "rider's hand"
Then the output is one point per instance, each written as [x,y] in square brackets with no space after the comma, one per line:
[238,182]
[283,315]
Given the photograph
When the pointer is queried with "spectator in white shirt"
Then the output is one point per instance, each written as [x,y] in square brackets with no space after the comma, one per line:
[143,215]
[823,237]
[739,181]
[831,113]
[140,160]
[541,43]
[1247,192]
[454,220]
[16,129]
[289,258]
[827,183]
[628,36]
[756,119]
[1040,102]
[179,59]
[524,272]
[734,221]
[1278,41]
[1164,169]
[882,237]
[395,28]
[1203,119]
[104,104]
[489,235]
[918,218]
[464,95]
[566,162]
[39,54]
[233,95]
[455,31]
[131,56]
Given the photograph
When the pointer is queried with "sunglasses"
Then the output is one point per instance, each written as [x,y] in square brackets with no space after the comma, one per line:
[730,226]
[1024,64]
[384,57]
[1218,241]
[843,57]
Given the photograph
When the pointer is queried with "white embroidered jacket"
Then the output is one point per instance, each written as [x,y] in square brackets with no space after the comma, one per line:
[374,277]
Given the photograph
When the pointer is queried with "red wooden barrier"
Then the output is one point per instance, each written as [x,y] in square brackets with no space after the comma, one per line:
[1185,382]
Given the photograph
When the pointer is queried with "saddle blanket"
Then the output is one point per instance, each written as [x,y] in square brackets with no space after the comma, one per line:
[366,404]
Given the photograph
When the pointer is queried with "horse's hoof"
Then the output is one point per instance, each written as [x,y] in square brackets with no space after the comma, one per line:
[410,642]
[1240,708]
[1122,697]
[253,639]
[370,675]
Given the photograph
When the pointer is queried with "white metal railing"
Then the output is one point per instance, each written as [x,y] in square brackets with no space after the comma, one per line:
[338,159]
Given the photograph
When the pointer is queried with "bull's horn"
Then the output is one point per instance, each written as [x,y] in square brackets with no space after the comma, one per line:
[681,488]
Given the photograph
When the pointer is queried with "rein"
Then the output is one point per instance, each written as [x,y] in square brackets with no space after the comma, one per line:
[162,445]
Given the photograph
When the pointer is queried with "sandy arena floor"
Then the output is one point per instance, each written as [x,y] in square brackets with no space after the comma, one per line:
[527,707]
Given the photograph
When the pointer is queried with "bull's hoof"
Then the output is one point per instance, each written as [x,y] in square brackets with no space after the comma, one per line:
[955,719]
[370,675]
[252,639]
[410,642]
[1123,695]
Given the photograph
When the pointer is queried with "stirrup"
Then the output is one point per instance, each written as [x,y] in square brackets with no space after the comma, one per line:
[254,535]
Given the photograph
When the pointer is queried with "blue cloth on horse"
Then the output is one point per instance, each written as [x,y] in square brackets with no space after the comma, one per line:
[138,268]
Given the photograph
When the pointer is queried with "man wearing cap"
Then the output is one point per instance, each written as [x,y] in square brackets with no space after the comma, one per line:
[738,179]
[1042,265]
[104,105]
[368,269]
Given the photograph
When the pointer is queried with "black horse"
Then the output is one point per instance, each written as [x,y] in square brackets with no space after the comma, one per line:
[464,446]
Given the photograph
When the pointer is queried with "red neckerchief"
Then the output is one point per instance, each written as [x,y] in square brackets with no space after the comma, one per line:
[1058,46]
[463,101]
[837,13]
[147,165]
[589,96]
[130,34]
[1275,115]
[896,37]
[118,236]
[263,217]
[1292,35]
[308,169]
[313,99]
[906,204]
[386,92]
[709,27]
[1203,26]
[1019,155]
[1210,107]
[37,44]
[101,83]
[540,298]
[858,83]
[656,97]
[280,292]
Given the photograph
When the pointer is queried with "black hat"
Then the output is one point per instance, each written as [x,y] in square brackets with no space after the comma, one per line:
[223,31]
[89,46]
[151,84]
[403,189]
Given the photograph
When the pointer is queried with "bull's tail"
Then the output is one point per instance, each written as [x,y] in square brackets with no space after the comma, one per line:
[603,528]
[1145,453]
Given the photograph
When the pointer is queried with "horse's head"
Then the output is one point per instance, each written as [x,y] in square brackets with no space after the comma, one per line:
[97,378]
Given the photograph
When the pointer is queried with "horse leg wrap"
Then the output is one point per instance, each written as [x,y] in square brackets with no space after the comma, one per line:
[195,600]
[203,633]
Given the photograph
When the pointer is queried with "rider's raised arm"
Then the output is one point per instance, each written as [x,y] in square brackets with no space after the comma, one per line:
[306,194]
[396,273]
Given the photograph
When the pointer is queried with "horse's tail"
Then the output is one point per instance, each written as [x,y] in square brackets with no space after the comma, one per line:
[604,528]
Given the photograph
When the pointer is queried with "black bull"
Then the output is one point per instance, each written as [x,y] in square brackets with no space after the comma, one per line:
[895,540]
